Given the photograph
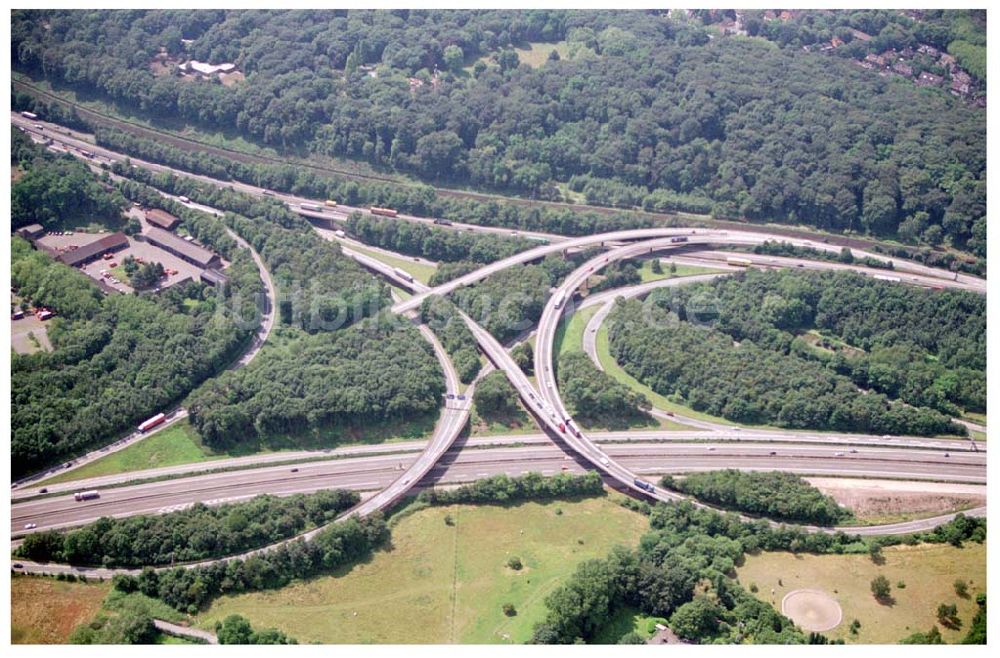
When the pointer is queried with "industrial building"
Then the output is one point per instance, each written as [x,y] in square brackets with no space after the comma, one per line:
[31,231]
[161,219]
[94,250]
[179,247]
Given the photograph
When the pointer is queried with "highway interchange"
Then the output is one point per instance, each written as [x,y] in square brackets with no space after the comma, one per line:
[392,475]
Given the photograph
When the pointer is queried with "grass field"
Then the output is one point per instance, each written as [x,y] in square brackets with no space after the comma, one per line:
[420,271]
[928,571]
[446,583]
[569,335]
[181,445]
[625,620]
[177,444]
[45,610]
[647,274]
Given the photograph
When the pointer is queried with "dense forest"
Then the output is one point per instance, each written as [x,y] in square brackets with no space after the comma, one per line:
[924,347]
[188,589]
[54,190]
[512,300]
[593,397]
[433,243]
[682,570]
[118,359]
[643,109]
[443,318]
[377,370]
[775,495]
[750,383]
[197,533]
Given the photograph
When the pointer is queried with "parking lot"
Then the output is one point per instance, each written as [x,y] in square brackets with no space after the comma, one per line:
[22,342]
[137,249]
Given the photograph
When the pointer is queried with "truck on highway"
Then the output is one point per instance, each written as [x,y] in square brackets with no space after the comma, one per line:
[645,486]
[313,207]
[678,239]
[330,203]
[442,222]
[739,262]
[183,199]
[402,274]
[86,495]
[29,115]
[561,299]
[537,238]
[385,212]
[883,277]
[150,423]
[340,234]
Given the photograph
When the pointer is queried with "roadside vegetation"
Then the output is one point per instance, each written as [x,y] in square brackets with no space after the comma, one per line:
[440,244]
[597,400]
[197,533]
[441,315]
[774,495]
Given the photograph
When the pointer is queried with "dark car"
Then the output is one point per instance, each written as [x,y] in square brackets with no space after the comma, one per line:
[43,490]
[461,397]
[18,565]
[295,470]
[774,452]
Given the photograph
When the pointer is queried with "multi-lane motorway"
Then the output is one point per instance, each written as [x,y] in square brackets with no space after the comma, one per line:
[382,473]
[393,475]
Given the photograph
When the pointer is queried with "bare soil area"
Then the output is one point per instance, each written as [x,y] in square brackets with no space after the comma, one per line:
[884,500]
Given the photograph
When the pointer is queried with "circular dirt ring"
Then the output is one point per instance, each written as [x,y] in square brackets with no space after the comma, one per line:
[812,609]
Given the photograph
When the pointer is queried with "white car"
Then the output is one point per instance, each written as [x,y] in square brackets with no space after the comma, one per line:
[30,526]
[604,460]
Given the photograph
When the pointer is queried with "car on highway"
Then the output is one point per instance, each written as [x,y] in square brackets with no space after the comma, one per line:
[461,397]
[773,452]
[854,451]
[43,490]
[450,396]
[840,454]
[30,526]
[604,460]
[947,455]
[18,565]
[710,448]
[295,470]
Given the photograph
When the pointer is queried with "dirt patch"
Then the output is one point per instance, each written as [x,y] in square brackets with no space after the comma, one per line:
[889,499]
[812,609]
[230,79]
[45,611]
[29,335]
